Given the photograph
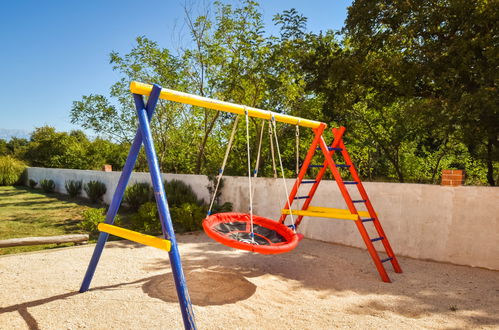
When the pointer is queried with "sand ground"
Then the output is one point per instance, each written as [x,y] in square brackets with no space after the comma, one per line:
[316,286]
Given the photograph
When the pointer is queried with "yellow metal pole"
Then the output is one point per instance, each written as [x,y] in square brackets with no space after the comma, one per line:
[131,235]
[176,96]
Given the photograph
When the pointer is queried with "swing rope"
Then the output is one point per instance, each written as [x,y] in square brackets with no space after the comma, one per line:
[297,147]
[273,122]
[250,190]
[255,172]
[221,171]
[271,137]
[253,233]
[257,165]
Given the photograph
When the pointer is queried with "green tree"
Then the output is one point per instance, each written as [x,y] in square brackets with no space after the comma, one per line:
[443,56]
[4,150]
[48,148]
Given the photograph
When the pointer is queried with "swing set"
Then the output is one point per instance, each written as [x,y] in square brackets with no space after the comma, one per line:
[245,231]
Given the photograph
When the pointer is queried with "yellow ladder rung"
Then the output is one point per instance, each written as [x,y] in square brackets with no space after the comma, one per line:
[326,212]
[334,215]
[131,235]
[328,209]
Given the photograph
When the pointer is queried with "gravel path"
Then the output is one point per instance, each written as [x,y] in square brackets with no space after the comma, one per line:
[316,286]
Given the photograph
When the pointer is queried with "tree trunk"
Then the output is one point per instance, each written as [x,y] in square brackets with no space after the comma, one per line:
[202,147]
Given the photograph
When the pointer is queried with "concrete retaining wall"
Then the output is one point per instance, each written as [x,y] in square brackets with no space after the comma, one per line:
[459,225]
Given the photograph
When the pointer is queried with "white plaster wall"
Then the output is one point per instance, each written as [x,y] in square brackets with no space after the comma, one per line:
[459,225]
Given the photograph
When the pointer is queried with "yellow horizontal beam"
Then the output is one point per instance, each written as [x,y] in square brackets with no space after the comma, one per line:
[326,212]
[176,96]
[134,236]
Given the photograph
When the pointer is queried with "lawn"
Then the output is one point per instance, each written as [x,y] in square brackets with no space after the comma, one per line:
[26,212]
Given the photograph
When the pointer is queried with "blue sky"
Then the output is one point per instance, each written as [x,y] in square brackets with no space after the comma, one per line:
[55,51]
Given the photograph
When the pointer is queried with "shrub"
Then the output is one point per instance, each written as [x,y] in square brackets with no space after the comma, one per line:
[147,218]
[92,218]
[23,178]
[73,187]
[179,193]
[11,170]
[47,185]
[32,183]
[212,185]
[187,217]
[138,194]
[95,190]
[217,207]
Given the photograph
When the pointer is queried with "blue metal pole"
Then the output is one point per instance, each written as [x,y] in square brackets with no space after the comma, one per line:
[120,189]
[164,215]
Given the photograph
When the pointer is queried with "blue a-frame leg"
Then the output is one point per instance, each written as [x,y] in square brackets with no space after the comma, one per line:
[144,136]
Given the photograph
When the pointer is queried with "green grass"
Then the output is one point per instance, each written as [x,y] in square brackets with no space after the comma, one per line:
[26,212]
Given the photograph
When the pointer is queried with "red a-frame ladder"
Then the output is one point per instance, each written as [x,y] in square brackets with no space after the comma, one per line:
[360,217]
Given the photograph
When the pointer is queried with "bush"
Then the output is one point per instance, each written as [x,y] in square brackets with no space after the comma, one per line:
[11,170]
[137,195]
[92,218]
[178,193]
[23,178]
[32,183]
[147,219]
[95,190]
[73,187]
[187,217]
[217,207]
[48,186]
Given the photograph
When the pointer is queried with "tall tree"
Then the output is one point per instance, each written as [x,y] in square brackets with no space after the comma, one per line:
[442,54]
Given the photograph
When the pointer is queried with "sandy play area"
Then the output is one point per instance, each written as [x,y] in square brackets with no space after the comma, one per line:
[317,286]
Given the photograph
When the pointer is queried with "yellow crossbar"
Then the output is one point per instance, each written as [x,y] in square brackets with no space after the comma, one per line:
[131,235]
[327,212]
[176,96]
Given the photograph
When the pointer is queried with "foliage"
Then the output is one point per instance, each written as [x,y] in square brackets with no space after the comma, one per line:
[95,190]
[415,83]
[178,193]
[413,80]
[11,170]
[147,219]
[32,183]
[186,210]
[92,218]
[73,187]
[217,207]
[49,148]
[138,194]
[3,148]
[48,185]
[187,217]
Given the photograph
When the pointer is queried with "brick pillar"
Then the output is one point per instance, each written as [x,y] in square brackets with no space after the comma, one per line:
[107,168]
[452,177]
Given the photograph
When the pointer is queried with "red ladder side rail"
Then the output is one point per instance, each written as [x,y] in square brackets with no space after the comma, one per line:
[360,226]
[306,162]
[370,209]
[320,175]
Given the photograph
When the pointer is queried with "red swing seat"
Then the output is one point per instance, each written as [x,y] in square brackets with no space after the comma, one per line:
[234,230]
